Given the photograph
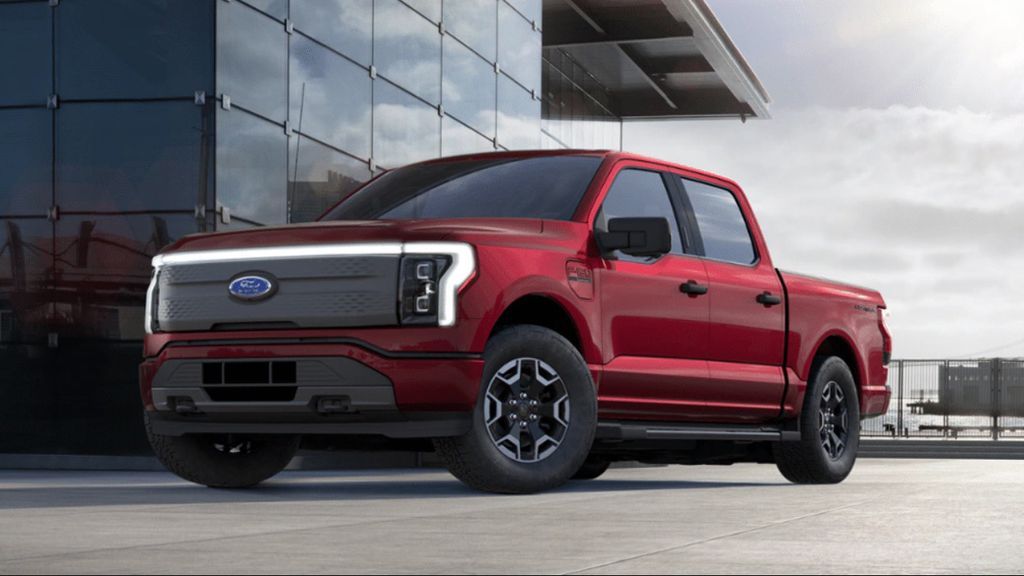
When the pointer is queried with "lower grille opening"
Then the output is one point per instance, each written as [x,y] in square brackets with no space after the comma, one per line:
[250,372]
[251,393]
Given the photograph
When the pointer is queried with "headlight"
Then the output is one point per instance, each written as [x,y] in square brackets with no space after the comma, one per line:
[454,268]
[420,288]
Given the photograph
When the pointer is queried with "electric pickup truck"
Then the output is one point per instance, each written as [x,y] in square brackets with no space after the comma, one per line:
[531,317]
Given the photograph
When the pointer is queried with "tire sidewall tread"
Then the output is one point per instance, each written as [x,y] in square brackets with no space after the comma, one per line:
[805,461]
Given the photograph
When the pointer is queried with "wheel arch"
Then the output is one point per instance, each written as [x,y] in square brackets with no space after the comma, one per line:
[540,309]
[839,345]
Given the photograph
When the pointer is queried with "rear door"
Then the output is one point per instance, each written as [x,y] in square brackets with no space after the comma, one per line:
[657,335]
[747,326]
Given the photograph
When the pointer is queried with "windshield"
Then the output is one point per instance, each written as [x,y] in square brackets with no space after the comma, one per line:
[540,187]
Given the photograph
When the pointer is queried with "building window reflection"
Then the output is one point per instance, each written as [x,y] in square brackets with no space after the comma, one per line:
[199,115]
[576,108]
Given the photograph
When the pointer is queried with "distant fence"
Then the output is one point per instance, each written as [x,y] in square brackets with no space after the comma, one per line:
[975,399]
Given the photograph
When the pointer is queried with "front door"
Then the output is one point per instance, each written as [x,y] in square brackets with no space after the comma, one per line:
[655,333]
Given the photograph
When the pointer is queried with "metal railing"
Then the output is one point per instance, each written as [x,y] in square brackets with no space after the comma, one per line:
[976,399]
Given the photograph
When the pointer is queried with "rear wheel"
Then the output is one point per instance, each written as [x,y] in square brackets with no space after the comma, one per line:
[829,429]
[223,461]
[535,417]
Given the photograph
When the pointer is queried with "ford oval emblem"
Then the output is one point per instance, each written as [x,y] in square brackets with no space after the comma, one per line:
[252,287]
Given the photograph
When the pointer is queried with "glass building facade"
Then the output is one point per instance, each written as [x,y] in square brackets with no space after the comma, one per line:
[125,124]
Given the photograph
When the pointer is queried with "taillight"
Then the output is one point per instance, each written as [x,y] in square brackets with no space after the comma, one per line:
[883,326]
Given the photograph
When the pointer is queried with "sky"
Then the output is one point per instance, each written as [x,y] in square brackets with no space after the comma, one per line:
[894,157]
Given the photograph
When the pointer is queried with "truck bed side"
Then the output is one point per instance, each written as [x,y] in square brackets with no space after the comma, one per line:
[842,319]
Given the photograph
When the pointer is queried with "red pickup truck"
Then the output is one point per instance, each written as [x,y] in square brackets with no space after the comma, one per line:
[530,316]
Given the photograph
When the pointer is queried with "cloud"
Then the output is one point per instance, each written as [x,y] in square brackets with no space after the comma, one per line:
[925,205]
[934,53]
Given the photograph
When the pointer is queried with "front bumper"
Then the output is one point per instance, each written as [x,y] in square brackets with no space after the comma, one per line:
[308,387]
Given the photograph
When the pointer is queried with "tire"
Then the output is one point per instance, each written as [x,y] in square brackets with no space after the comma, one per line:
[591,469]
[818,457]
[496,455]
[223,461]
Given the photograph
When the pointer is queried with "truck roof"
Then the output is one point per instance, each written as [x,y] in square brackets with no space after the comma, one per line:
[608,154]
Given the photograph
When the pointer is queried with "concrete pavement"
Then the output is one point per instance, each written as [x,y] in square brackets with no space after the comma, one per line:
[934,516]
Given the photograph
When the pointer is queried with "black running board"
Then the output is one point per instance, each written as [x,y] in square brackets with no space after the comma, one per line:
[626,431]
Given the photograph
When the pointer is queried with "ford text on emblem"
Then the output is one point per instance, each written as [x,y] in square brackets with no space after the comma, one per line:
[251,288]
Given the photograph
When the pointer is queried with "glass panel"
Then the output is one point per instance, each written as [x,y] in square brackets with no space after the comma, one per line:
[319,178]
[130,156]
[26,264]
[345,25]
[429,8]
[251,163]
[27,413]
[531,9]
[405,129]
[538,187]
[276,8]
[639,194]
[469,87]
[519,48]
[335,107]
[457,139]
[518,116]
[28,417]
[475,22]
[722,226]
[26,161]
[407,49]
[25,53]
[133,48]
[252,60]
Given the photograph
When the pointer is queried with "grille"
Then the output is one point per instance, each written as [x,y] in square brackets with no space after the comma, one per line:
[320,292]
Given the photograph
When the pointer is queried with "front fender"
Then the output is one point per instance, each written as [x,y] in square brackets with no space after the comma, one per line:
[506,275]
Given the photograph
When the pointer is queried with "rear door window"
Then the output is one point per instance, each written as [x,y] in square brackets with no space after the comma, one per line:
[723,228]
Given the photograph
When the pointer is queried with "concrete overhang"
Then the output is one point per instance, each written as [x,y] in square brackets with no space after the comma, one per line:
[657,58]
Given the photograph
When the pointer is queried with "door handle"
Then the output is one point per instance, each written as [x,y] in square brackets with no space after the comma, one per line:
[692,288]
[768,299]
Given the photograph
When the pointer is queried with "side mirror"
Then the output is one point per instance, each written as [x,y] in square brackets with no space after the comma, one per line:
[641,237]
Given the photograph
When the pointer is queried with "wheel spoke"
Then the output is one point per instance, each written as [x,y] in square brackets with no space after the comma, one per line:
[837,444]
[493,409]
[511,444]
[833,420]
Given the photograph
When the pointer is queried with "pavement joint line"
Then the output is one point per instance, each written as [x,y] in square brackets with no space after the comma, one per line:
[719,537]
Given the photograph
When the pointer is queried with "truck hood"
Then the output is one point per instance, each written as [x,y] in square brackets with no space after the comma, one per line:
[362,231]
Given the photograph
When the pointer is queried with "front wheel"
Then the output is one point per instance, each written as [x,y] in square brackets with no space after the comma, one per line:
[829,428]
[223,461]
[535,417]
